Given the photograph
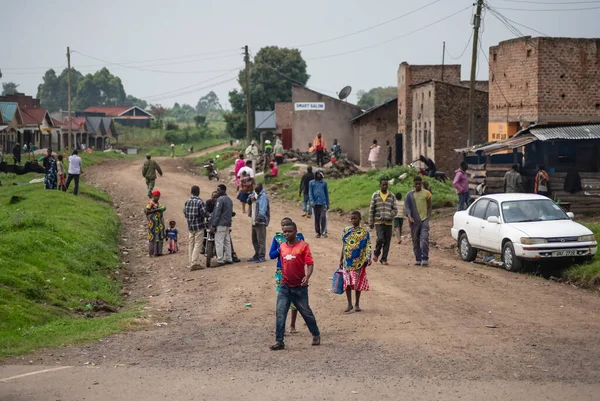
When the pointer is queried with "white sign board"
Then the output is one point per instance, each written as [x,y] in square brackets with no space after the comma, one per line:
[315,106]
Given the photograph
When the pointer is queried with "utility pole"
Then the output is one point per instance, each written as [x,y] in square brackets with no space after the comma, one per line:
[248,105]
[70,140]
[476,25]
[443,60]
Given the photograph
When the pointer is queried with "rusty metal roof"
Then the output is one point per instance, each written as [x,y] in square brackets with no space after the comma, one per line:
[495,147]
[574,132]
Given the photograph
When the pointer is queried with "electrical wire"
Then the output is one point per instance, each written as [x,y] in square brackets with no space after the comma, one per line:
[550,2]
[464,50]
[191,86]
[191,91]
[368,28]
[297,82]
[548,9]
[392,39]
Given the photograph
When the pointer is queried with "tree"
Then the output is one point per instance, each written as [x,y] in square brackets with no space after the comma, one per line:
[134,101]
[158,111]
[8,88]
[199,120]
[207,103]
[53,92]
[376,96]
[273,72]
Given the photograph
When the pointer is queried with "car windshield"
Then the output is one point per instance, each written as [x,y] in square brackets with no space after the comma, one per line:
[532,210]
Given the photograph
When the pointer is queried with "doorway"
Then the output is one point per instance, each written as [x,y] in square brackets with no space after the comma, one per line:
[399,149]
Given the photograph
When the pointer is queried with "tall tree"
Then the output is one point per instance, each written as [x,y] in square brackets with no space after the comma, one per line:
[207,103]
[134,101]
[273,72]
[53,91]
[376,96]
[158,111]
[8,88]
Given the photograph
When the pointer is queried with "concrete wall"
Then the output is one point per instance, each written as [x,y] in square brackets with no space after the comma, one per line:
[333,122]
[440,122]
[380,124]
[284,113]
[409,75]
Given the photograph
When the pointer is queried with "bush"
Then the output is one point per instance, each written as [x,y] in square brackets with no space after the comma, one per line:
[172,126]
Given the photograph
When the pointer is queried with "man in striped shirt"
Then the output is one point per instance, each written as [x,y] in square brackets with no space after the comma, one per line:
[382,211]
[195,213]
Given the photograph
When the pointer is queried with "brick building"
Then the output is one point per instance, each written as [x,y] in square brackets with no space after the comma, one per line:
[440,123]
[543,81]
[379,123]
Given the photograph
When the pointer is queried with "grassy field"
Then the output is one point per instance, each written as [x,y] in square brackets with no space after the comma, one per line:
[59,254]
[587,275]
[222,158]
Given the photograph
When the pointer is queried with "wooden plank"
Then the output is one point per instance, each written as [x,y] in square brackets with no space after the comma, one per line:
[476,167]
[477,173]
[498,167]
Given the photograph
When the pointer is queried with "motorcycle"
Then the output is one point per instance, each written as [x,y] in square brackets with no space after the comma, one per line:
[439,175]
[211,171]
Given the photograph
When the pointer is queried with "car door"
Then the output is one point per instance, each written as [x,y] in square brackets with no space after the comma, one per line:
[473,222]
[490,232]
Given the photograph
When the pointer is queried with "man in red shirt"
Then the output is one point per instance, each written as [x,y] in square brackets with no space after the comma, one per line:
[296,266]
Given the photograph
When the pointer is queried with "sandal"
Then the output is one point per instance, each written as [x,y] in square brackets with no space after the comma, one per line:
[349,309]
[278,346]
[316,340]
[385,263]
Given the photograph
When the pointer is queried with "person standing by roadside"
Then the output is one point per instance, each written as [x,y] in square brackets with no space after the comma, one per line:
[374,154]
[318,195]
[17,153]
[297,268]
[62,176]
[247,187]
[75,171]
[252,154]
[540,186]
[172,150]
[278,151]
[304,183]
[195,213]
[320,145]
[220,223]
[50,170]
[261,214]
[239,163]
[355,257]
[336,149]
[399,219]
[382,212]
[461,185]
[513,183]
[149,172]
[418,211]
[156,225]
[388,159]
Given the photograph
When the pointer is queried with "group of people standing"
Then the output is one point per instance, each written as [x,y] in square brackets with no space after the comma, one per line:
[55,176]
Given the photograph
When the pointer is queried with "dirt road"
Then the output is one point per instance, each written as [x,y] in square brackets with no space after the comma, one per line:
[451,330]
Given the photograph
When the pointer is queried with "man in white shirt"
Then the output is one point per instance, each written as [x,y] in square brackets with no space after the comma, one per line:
[247,168]
[374,154]
[252,154]
[74,171]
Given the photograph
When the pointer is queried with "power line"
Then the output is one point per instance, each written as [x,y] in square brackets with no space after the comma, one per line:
[550,2]
[464,50]
[192,91]
[190,86]
[297,82]
[368,28]
[547,9]
[392,39]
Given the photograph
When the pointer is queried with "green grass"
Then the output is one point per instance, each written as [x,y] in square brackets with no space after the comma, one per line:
[355,192]
[587,275]
[58,254]
[222,158]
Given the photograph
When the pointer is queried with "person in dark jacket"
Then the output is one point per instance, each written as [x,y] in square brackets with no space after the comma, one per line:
[431,168]
[17,153]
[220,223]
[319,200]
[306,179]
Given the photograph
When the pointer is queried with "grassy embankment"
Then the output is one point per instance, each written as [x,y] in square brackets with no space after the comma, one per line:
[157,143]
[587,275]
[58,255]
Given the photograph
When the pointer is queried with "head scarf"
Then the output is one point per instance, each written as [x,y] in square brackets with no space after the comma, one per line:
[156,192]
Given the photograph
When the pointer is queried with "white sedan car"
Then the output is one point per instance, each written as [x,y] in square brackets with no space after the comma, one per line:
[521,227]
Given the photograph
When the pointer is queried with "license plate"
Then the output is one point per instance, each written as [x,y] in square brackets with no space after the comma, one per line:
[564,253]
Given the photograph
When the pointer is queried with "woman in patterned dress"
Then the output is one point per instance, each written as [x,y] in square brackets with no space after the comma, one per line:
[50,168]
[356,256]
[156,225]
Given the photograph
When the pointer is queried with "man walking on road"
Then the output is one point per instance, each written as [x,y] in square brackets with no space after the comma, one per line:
[261,214]
[382,212]
[461,185]
[513,183]
[75,172]
[297,266]
[149,172]
[195,213]
[320,145]
[220,223]
[318,195]
[418,211]
[252,154]
[304,182]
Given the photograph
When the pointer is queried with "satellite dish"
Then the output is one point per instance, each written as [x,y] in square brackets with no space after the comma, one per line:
[345,92]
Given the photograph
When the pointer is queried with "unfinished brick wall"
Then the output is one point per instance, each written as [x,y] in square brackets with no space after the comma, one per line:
[409,75]
[284,112]
[380,124]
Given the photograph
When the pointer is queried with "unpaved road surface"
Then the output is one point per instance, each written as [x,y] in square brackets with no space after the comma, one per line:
[449,331]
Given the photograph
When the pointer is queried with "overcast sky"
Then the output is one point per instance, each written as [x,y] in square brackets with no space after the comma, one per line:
[200,40]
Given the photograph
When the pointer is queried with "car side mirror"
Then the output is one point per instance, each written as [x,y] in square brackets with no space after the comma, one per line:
[493,219]
[571,215]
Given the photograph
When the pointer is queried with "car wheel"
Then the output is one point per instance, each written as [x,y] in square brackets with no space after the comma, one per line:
[509,260]
[466,251]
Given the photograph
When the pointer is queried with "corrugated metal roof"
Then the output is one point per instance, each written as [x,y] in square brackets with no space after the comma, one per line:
[8,110]
[2,127]
[576,132]
[495,147]
[264,120]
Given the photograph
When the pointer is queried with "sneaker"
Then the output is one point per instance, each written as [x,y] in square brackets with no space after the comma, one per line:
[277,346]
[425,263]
[220,264]
[304,214]
[325,235]
[318,235]
[236,260]
[316,340]
[229,262]
[260,260]
[196,267]
[384,262]
[253,259]
[418,263]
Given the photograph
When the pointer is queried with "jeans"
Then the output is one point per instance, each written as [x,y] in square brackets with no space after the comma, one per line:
[223,244]
[320,219]
[259,240]
[420,238]
[196,238]
[306,205]
[463,200]
[384,239]
[299,297]
[69,179]
[320,157]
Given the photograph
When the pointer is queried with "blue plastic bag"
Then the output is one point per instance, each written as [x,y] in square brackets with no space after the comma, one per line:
[337,283]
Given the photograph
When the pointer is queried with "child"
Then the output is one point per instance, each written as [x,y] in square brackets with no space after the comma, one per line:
[399,219]
[427,187]
[61,174]
[273,172]
[172,237]
[274,254]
